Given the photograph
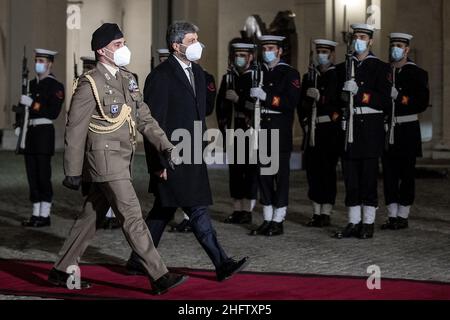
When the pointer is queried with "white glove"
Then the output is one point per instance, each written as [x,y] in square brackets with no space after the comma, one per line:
[232,96]
[313,93]
[26,100]
[351,86]
[258,93]
[17,131]
[394,93]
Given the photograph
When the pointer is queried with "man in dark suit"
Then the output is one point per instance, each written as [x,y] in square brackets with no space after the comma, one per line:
[175,92]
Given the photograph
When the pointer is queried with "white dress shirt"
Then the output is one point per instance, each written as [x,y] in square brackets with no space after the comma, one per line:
[113,70]
[184,66]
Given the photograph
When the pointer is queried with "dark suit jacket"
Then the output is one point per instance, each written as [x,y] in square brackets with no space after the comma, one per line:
[172,102]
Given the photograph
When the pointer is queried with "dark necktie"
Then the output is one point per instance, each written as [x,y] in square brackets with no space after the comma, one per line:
[191,77]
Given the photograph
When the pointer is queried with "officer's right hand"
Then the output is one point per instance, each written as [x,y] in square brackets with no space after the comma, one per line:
[394,93]
[26,100]
[351,86]
[172,159]
[232,96]
[313,93]
[73,183]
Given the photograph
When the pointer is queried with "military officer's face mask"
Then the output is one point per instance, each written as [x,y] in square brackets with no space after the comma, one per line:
[360,46]
[122,56]
[270,56]
[194,51]
[397,54]
[240,62]
[40,67]
[323,59]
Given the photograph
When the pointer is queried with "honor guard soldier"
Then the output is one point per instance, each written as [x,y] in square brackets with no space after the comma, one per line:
[319,114]
[44,102]
[236,107]
[279,95]
[106,111]
[366,84]
[410,97]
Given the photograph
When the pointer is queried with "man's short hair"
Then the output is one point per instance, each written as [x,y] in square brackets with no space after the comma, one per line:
[177,31]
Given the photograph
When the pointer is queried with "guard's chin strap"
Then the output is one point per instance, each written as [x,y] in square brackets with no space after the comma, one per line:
[115,123]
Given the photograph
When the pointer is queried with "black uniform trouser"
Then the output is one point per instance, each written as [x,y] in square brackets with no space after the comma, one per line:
[39,174]
[399,179]
[243,181]
[361,182]
[321,174]
[274,189]
[199,220]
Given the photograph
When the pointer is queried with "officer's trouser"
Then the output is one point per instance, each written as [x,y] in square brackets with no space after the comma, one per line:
[361,182]
[122,197]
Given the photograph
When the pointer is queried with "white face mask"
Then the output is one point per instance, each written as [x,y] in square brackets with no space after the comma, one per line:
[194,51]
[122,56]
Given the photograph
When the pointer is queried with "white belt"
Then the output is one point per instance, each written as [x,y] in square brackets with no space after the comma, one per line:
[366,110]
[267,111]
[406,119]
[323,119]
[40,121]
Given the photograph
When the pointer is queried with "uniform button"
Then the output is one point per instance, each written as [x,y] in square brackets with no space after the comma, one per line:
[107,146]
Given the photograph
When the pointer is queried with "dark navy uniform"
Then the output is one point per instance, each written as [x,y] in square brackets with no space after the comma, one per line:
[48,97]
[282,85]
[400,157]
[360,158]
[243,177]
[322,152]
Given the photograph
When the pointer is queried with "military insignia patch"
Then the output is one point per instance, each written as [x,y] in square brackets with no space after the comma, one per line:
[60,95]
[114,109]
[276,101]
[405,100]
[296,83]
[36,106]
[366,98]
[133,87]
[212,87]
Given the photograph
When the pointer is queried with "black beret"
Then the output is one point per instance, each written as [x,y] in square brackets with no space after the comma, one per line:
[104,35]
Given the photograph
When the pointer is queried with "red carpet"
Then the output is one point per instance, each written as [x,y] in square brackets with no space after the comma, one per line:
[25,278]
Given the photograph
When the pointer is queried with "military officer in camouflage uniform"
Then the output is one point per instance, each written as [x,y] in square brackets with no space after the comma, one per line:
[106,111]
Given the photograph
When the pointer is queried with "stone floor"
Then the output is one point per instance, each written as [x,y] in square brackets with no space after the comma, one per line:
[421,253]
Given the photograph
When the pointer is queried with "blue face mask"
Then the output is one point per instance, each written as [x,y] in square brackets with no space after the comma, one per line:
[397,53]
[40,68]
[360,46]
[323,59]
[240,62]
[270,56]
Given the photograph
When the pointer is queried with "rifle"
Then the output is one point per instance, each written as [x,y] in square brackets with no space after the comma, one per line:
[312,79]
[349,112]
[392,125]
[258,81]
[22,111]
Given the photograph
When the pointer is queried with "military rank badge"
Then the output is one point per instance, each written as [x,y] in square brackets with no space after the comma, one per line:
[114,109]
[276,101]
[133,87]
[405,100]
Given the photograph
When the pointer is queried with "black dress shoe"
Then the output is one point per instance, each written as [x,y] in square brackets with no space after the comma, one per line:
[37,222]
[59,279]
[367,231]
[234,218]
[135,269]
[402,223]
[262,229]
[230,267]
[351,230]
[326,220]
[316,222]
[32,222]
[167,282]
[275,229]
[246,218]
[391,224]
[183,227]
